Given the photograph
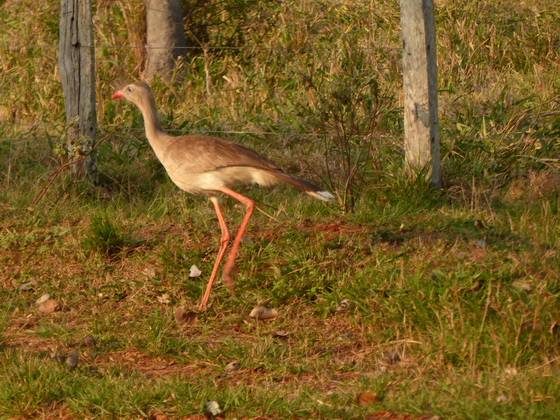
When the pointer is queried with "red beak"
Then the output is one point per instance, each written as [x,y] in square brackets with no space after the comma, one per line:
[118,94]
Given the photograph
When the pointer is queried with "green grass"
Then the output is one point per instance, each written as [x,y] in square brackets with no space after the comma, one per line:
[468,298]
[461,282]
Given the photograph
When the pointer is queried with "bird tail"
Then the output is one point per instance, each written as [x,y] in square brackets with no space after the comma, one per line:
[306,187]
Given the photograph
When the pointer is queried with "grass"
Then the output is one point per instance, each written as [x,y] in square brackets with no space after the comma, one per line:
[454,292]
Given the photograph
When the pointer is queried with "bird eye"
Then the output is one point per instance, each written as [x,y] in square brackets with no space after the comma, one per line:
[129,89]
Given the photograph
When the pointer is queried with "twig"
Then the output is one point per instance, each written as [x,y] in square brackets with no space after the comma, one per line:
[267,215]
[554,163]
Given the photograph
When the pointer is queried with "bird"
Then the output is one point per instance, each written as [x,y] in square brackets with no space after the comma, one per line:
[211,166]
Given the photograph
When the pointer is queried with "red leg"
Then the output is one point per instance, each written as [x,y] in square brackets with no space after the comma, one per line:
[250,206]
[223,245]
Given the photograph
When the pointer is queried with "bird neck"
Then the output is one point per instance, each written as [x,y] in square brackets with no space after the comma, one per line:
[151,120]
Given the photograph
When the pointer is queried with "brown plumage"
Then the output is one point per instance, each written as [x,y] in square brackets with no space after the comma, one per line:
[208,166]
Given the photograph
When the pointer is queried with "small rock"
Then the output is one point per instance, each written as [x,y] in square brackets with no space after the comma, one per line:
[185,317]
[346,362]
[479,224]
[94,370]
[510,372]
[348,336]
[150,272]
[58,357]
[481,244]
[381,370]
[502,399]
[522,286]
[195,271]
[48,307]
[367,398]
[247,240]
[281,334]
[165,298]
[43,299]
[346,305]
[25,287]
[232,366]
[73,360]
[89,341]
[392,357]
[213,409]
[260,312]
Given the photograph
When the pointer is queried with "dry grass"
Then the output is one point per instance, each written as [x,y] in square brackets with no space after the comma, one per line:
[455,291]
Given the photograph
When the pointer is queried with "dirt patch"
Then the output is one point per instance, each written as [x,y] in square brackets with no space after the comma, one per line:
[151,366]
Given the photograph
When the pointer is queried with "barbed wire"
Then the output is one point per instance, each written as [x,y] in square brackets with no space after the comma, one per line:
[187,131]
[114,129]
[553,46]
[233,48]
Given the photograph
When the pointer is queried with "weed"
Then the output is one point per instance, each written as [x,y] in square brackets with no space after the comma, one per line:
[104,237]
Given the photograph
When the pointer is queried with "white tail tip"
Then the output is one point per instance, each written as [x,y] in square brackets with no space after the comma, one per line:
[321,195]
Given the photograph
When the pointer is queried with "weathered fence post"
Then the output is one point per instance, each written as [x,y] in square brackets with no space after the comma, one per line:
[421,127]
[77,71]
[165,37]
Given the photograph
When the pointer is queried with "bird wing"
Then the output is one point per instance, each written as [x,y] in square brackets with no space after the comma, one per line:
[198,154]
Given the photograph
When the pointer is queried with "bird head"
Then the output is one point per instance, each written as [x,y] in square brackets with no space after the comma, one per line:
[134,92]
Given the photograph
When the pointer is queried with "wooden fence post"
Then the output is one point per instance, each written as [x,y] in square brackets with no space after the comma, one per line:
[77,70]
[165,37]
[421,127]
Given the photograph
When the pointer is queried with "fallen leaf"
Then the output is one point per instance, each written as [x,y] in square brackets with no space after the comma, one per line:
[185,317]
[213,408]
[195,271]
[367,398]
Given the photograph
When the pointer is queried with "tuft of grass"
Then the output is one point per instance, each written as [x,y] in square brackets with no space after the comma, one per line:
[104,237]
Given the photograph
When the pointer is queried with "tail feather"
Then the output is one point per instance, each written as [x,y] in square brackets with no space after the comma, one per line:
[306,187]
